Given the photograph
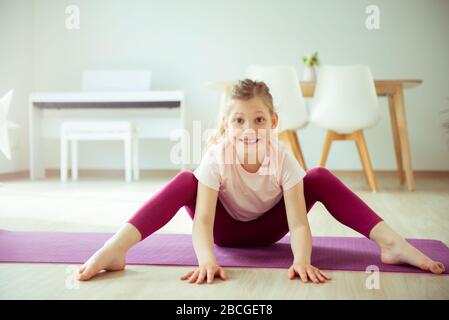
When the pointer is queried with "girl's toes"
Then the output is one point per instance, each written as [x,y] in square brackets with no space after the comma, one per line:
[440,267]
[88,273]
[82,275]
[436,267]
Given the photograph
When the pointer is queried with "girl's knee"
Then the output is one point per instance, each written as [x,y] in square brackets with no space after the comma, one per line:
[318,172]
[318,177]
[186,176]
[184,185]
[185,173]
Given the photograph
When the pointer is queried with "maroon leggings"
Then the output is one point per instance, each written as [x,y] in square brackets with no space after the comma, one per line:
[319,185]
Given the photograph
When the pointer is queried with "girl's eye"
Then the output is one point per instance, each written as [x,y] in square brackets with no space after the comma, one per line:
[260,119]
[238,120]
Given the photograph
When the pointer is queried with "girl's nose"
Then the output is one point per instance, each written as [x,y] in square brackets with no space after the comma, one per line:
[249,132]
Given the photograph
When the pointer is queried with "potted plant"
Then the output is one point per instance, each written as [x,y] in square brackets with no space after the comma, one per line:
[310,62]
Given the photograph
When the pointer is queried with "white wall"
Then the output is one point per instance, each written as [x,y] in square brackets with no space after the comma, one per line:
[187,43]
[16,72]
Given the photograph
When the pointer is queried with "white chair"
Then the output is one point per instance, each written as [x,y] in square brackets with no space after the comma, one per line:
[74,131]
[288,101]
[345,103]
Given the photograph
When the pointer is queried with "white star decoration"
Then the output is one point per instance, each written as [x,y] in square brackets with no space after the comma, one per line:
[5,124]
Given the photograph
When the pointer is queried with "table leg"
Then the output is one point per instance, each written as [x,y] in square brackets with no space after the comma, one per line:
[37,169]
[397,142]
[398,98]
[185,139]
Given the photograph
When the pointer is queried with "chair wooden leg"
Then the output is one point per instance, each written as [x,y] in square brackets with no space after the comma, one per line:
[365,169]
[290,138]
[364,156]
[361,147]
[327,146]
[399,109]
[397,142]
[296,148]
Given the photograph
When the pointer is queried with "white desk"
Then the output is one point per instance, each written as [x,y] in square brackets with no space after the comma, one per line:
[62,102]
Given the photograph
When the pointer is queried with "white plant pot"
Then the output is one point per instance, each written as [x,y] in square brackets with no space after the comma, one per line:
[309,74]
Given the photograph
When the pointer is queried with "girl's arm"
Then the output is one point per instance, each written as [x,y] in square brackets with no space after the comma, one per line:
[203,239]
[203,223]
[300,236]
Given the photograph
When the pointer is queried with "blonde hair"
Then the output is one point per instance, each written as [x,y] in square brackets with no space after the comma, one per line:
[244,90]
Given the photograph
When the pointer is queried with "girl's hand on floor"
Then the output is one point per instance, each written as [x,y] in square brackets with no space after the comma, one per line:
[206,272]
[306,272]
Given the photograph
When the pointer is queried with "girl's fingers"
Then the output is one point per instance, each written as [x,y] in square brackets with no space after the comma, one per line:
[291,273]
[186,275]
[201,276]
[319,275]
[325,275]
[222,274]
[306,273]
[302,274]
[194,276]
[210,276]
[312,276]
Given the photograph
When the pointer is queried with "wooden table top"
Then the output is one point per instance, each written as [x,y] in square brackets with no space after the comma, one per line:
[383,86]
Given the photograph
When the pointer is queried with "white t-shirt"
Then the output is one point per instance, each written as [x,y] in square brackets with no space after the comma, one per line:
[245,195]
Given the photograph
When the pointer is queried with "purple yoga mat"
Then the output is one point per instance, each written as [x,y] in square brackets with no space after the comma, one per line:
[329,253]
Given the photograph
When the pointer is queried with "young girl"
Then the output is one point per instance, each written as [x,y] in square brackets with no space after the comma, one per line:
[249,190]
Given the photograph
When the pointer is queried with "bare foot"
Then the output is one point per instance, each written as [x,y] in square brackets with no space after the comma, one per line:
[107,258]
[399,251]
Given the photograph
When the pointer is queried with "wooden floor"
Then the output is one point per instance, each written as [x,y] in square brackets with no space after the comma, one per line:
[102,203]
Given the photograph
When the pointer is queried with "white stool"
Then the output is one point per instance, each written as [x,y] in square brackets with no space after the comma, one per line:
[74,131]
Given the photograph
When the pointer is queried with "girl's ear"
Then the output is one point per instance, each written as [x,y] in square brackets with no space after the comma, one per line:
[224,122]
[274,120]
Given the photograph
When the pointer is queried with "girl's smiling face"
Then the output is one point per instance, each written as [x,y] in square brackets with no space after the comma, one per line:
[249,125]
